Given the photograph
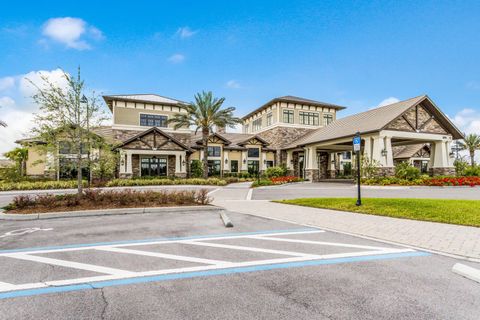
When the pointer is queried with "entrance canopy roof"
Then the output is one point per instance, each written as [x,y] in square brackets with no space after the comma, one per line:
[400,116]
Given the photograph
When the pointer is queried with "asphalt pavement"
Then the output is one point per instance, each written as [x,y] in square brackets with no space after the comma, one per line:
[189,266]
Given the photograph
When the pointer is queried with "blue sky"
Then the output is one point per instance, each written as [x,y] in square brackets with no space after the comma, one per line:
[352,53]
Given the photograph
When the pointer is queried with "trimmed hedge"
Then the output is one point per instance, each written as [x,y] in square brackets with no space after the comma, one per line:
[161,182]
[39,185]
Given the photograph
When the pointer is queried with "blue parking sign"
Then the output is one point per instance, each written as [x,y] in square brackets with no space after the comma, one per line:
[356,143]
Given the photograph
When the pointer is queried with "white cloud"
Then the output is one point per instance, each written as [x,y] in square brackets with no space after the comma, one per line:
[176,58]
[27,89]
[468,120]
[387,101]
[233,84]
[6,83]
[17,109]
[71,32]
[185,32]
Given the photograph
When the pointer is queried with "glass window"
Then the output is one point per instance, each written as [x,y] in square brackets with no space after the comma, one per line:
[309,118]
[257,124]
[269,163]
[234,166]
[153,167]
[347,155]
[253,152]
[153,120]
[65,147]
[327,119]
[287,116]
[253,166]
[269,119]
[245,128]
[214,151]
[214,167]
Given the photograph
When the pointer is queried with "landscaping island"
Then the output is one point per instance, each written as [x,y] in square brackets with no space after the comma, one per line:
[461,212]
[106,199]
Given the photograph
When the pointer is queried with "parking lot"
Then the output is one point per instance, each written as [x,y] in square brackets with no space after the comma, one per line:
[188,266]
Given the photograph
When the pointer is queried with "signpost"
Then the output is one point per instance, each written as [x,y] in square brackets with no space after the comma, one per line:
[357,142]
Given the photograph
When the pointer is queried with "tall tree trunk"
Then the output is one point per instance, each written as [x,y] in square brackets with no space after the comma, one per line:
[472,157]
[205,132]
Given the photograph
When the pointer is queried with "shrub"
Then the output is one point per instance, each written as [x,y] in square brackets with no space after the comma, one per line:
[153,182]
[196,169]
[472,171]
[109,199]
[39,185]
[406,171]
[460,166]
[369,167]
[22,201]
[275,172]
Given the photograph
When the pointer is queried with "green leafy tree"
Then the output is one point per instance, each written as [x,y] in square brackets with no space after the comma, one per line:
[196,170]
[471,143]
[20,156]
[105,166]
[67,115]
[368,167]
[204,114]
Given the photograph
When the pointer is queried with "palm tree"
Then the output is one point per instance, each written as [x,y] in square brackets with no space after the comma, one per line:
[471,143]
[203,114]
[2,124]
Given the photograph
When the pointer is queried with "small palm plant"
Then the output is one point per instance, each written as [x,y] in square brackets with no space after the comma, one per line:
[472,144]
[2,124]
[205,113]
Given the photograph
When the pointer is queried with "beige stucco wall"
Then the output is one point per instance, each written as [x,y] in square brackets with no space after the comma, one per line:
[131,116]
[270,156]
[36,161]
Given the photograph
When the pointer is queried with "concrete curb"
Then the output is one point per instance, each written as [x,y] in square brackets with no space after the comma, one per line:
[467,272]
[226,220]
[103,212]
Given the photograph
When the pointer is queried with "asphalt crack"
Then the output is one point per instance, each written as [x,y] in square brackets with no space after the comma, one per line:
[105,304]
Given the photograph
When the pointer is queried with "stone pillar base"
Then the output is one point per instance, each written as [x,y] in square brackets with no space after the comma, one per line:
[290,172]
[125,175]
[331,174]
[449,171]
[311,175]
[181,175]
[386,171]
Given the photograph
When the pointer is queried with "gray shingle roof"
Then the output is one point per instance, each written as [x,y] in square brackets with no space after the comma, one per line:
[368,121]
[403,152]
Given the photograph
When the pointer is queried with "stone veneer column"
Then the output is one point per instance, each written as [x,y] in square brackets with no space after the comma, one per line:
[332,170]
[441,163]
[311,164]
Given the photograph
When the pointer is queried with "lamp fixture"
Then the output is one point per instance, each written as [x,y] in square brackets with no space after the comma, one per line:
[226,161]
[384,152]
[265,161]
[244,161]
[183,162]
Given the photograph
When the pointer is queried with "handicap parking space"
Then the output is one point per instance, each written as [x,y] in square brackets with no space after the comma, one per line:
[190,266]
[109,264]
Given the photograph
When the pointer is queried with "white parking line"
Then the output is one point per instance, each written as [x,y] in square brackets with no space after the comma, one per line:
[207,264]
[335,244]
[70,264]
[162,255]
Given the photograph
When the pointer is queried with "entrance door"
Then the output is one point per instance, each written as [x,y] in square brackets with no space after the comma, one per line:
[253,167]
[301,161]
[154,167]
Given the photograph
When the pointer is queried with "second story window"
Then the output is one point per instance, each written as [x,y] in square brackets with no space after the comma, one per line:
[287,116]
[245,128]
[253,152]
[214,151]
[269,119]
[257,124]
[309,118]
[327,119]
[153,120]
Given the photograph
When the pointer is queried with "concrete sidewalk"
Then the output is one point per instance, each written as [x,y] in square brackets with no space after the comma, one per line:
[459,241]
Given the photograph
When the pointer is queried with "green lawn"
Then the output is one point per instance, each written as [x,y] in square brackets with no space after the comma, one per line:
[463,212]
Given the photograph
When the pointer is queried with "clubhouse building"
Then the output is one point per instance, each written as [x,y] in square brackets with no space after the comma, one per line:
[305,135]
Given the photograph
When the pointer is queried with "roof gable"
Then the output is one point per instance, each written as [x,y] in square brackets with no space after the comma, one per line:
[378,119]
[153,139]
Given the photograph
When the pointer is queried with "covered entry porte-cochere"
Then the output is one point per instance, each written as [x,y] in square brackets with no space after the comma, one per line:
[410,122]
